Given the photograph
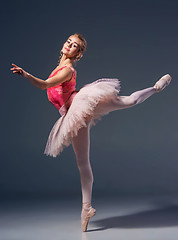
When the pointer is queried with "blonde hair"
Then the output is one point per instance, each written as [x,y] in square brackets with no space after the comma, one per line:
[83,46]
[82,49]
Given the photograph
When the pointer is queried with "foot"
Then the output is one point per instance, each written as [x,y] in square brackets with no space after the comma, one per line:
[87,213]
[162,83]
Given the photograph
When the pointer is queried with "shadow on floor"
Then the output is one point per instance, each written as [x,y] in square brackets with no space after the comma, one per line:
[165,217]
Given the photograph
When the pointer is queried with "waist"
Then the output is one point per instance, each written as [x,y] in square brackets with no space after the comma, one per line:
[64,108]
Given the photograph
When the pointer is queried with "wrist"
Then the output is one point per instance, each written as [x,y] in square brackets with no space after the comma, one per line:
[26,74]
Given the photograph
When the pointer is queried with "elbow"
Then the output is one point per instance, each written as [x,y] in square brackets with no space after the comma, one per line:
[43,86]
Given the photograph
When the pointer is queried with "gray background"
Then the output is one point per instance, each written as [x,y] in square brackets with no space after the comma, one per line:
[133,151]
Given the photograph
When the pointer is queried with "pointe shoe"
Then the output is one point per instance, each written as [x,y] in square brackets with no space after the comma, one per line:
[162,83]
[87,213]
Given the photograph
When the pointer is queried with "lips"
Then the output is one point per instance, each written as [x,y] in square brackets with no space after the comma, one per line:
[67,49]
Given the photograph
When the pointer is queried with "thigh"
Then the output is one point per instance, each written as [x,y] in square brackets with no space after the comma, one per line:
[124,102]
[120,102]
[81,143]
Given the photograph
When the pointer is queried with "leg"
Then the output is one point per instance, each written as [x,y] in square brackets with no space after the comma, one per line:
[123,102]
[140,96]
[81,145]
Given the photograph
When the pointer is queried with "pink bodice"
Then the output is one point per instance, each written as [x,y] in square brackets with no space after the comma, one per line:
[59,94]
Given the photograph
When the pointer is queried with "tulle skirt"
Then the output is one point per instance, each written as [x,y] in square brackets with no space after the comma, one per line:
[88,106]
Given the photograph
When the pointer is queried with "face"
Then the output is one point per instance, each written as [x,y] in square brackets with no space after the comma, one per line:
[71,47]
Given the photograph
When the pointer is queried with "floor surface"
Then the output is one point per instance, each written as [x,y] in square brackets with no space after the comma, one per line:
[124,218]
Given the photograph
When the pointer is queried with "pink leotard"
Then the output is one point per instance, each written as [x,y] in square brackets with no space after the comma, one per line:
[60,94]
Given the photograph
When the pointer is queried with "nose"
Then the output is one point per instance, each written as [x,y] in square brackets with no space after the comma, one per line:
[69,44]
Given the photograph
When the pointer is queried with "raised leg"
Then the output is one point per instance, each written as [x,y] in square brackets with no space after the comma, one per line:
[122,102]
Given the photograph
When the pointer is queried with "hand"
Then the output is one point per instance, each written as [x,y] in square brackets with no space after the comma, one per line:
[18,70]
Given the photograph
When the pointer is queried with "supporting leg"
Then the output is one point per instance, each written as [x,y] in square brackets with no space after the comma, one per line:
[81,146]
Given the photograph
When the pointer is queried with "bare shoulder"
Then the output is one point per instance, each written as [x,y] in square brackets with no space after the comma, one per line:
[65,72]
[70,67]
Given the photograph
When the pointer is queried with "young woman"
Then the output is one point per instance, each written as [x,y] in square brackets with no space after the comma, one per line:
[80,109]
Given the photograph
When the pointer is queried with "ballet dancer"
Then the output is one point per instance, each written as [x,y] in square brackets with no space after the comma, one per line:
[80,109]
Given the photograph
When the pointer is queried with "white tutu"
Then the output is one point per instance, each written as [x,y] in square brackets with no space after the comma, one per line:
[87,106]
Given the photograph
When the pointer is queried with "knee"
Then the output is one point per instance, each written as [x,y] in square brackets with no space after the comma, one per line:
[84,168]
[81,166]
[82,162]
[133,100]
[86,171]
[91,179]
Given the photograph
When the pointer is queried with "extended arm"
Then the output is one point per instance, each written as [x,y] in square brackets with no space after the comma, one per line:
[61,76]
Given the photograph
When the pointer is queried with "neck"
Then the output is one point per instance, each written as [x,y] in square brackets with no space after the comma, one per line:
[64,60]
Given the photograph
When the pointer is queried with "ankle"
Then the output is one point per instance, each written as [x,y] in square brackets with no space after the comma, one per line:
[155,88]
[86,205]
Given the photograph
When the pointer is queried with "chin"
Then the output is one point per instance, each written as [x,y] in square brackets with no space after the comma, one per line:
[64,51]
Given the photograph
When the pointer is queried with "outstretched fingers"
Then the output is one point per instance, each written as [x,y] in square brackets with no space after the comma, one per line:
[16,69]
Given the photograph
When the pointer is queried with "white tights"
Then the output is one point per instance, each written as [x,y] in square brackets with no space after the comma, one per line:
[81,143]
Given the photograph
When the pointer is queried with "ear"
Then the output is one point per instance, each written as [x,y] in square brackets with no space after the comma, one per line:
[78,56]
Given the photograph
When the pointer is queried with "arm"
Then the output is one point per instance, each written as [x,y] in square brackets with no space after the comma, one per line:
[62,76]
